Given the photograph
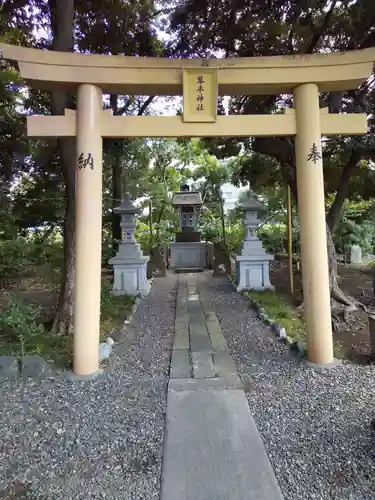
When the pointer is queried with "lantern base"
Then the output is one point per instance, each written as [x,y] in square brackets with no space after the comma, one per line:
[130,276]
[253,272]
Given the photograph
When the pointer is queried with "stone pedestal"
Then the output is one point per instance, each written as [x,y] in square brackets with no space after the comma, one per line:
[253,272]
[252,265]
[188,255]
[129,264]
[355,254]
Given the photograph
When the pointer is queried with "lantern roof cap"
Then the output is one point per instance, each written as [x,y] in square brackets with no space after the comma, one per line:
[187,198]
[252,203]
[127,207]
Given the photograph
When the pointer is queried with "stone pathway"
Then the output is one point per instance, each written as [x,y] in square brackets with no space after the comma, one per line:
[212,449]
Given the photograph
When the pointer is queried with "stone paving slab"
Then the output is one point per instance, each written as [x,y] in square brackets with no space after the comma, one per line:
[216,336]
[197,321]
[180,365]
[203,384]
[224,364]
[181,322]
[199,341]
[181,339]
[213,450]
[209,315]
[203,366]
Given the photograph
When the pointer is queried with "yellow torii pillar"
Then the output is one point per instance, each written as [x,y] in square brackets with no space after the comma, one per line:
[198,81]
[88,220]
[311,208]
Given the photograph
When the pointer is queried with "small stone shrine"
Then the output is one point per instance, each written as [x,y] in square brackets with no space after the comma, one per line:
[129,264]
[252,266]
[188,252]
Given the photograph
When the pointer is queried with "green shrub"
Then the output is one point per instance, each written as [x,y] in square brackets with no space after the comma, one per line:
[21,335]
[234,237]
[14,257]
[21,319]
[43,253]
[107,252]
[19,256]
[275,237]
[19,327]
[162,234]
[350,233]
[113,309]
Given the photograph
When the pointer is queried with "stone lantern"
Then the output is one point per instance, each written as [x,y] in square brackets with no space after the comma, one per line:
[253,263]
[129,264]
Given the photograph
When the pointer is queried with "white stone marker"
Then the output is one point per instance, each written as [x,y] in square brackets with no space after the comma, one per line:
[355,254]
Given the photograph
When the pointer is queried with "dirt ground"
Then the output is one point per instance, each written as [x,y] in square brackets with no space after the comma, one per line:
[39,286]
[355,281]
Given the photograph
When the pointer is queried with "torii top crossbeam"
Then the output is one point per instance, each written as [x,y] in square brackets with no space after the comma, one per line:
[48,70]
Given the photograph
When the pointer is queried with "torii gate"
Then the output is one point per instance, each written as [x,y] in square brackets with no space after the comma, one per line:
[199,81]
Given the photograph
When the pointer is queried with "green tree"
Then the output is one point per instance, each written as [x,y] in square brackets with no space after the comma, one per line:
[254,29]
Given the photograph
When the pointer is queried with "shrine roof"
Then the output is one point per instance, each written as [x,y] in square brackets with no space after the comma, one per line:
[187,198]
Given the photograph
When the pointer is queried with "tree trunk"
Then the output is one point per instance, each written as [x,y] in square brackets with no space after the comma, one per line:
[334,214]
[222,217]
[62,16]
[116,181]
[336,293]
[116,200]
[63,323]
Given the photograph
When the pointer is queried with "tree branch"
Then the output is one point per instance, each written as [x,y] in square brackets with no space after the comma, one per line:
[124,109]
[284,153]
[145,105]
[113,101]
[318,34]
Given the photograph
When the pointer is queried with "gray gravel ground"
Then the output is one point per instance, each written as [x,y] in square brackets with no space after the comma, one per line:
[315,424]
[95,439]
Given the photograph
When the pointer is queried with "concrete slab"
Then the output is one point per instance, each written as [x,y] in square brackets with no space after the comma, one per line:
[218,342]
[199,340]
[213,450]
[180,365]
[224,365]
[182,270]
[216,336]
[209,315]
[213,324]
[203,366]
[203,384]
[181,321]
[181,313]
[181,339]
